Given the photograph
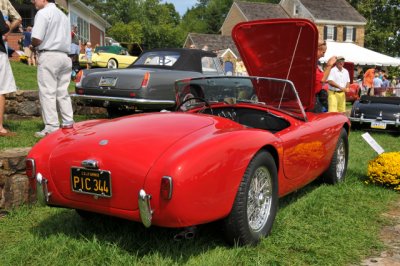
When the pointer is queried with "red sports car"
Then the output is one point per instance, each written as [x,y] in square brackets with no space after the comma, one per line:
[230,150]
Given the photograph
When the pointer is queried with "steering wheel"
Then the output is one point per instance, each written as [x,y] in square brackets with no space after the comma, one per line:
[187,99]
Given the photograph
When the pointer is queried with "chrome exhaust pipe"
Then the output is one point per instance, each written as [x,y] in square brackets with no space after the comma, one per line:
[187,233]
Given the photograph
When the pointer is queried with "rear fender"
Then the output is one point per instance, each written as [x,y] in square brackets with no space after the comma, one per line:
[206,170]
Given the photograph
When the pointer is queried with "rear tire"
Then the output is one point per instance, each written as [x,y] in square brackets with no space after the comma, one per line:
[112,63]
[337,169]
[256,203]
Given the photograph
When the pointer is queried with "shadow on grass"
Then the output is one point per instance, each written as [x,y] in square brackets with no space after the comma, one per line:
[130,236]
[138,241]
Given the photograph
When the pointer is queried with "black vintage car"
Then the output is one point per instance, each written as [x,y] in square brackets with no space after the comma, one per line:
[148,84]
[380,113]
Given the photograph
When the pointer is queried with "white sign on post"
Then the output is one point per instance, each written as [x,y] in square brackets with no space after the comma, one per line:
[367,137]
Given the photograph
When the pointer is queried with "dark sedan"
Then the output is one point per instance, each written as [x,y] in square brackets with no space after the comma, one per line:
[148,84]
[378,113]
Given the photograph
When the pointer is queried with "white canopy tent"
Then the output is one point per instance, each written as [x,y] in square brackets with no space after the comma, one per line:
[358,55]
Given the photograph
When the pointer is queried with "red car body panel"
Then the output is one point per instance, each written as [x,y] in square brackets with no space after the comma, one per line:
[302,157]
[206,155]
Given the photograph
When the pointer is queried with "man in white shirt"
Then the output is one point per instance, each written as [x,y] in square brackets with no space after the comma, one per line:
[51,37]
[339,83]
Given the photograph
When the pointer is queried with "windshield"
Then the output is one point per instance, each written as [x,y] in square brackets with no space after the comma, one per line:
[276,93]
[164,58]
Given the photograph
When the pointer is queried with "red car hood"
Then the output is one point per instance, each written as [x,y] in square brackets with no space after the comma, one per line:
[280,48]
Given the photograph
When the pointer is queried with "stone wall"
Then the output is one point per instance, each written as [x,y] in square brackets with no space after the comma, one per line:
[14,185]
[26,104]
[14,189]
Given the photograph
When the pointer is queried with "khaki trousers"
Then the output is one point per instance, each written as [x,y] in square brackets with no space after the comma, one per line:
[54,76]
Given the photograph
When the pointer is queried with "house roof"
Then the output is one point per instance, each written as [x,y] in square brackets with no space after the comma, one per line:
[83,7]
[256,11]
[214,42]
[333,10]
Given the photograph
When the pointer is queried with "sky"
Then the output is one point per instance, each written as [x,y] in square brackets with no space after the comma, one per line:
[181,5]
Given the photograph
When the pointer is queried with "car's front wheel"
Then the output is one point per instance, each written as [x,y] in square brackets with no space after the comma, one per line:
[256,202]
[338,166]
[112,63]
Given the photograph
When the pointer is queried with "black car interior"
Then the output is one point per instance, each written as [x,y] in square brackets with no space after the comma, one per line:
[251,118]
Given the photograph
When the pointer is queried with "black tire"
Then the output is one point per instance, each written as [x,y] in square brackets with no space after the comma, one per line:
[337,169]
[239,227]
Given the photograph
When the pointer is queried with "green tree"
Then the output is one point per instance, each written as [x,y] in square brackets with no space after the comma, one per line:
[129,33]
[382,32]
[194,20]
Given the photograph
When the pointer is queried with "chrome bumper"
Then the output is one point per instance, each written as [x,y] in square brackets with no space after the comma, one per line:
[122,99]
[362,120]
[42,192]
[145,210]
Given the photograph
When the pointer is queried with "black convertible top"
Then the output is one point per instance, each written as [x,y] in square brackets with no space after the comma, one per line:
[189,59]
[376,99]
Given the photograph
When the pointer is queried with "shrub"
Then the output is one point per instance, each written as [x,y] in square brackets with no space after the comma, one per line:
[385,170]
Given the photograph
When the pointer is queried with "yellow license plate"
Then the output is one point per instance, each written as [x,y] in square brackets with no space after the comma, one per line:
[91,181]
[378,125]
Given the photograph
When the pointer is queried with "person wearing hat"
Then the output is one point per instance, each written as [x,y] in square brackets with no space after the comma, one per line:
[51,37]
[339,83]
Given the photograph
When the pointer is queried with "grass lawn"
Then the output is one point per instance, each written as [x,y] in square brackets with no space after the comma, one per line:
[317,225]
[26,76]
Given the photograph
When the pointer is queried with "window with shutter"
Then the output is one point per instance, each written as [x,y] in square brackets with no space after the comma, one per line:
[330,33]
[349,34]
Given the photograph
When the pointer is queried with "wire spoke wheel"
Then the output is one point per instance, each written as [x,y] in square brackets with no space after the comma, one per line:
[256,203]
[259,200]
[336,171]
[341,160]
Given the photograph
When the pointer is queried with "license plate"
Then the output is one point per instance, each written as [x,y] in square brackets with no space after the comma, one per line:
[91,181]
[107,81]
[378,125]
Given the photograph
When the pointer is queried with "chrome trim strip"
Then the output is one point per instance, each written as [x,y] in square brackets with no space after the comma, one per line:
[145,210]
[369,120]
[121,99]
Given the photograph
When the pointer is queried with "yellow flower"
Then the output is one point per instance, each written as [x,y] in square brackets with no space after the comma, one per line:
[385,170]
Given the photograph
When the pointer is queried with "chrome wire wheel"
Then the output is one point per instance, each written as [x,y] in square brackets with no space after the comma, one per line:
[341,160]
[259,199]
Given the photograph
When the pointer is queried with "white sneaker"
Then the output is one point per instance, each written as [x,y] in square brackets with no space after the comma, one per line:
[44,132]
